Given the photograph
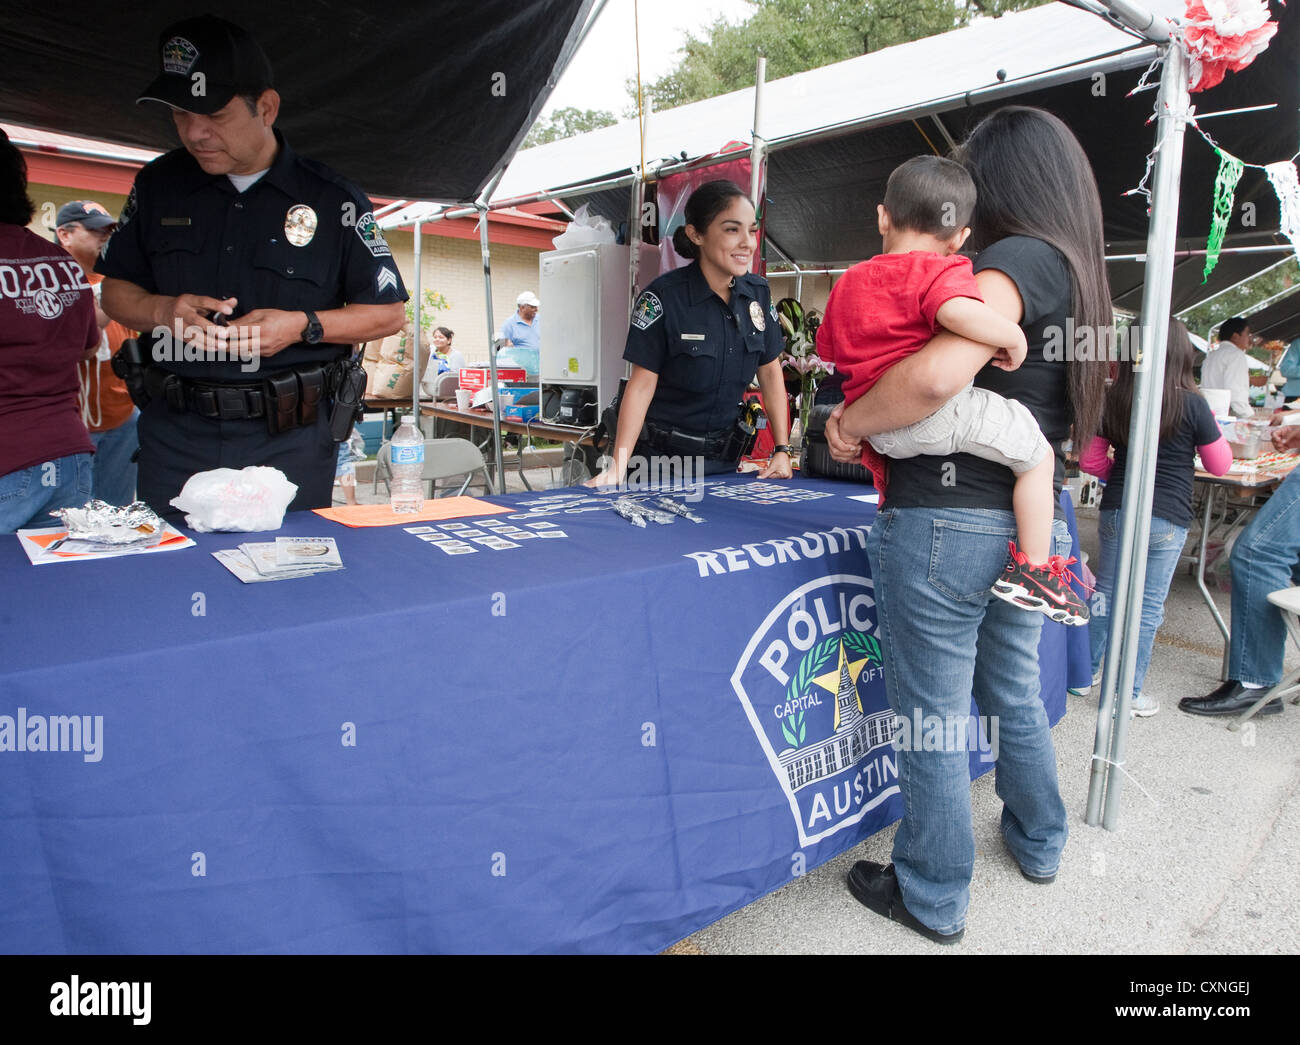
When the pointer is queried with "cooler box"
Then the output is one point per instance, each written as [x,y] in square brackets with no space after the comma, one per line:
[472,378]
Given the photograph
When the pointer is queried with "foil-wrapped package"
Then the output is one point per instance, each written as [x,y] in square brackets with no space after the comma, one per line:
[102,523]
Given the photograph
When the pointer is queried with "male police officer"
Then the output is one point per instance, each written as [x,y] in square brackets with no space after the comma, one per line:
[255,269]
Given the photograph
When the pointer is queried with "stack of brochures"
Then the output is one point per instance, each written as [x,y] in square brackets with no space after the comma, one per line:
[281,559]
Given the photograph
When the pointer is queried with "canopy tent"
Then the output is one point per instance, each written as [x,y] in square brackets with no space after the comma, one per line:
[834,134]
[1279,319]
[424,99]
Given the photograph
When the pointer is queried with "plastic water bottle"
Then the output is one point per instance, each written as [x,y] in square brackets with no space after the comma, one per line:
[406,490]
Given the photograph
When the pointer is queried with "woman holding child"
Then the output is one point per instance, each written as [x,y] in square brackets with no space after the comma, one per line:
[939,545]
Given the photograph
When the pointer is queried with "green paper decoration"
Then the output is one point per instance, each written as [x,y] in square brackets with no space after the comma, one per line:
[1225,190]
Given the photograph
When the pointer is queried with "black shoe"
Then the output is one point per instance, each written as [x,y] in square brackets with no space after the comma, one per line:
[1229,699]
[874,885]
[1037,879]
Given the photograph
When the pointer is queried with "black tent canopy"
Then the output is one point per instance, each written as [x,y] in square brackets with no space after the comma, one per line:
[1279,320]
[424,99]
[823,182]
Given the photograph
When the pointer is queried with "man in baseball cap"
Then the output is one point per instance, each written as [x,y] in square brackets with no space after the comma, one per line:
[83,227]
[522,334]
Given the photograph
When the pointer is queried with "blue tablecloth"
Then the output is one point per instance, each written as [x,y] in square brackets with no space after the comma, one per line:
[595,742]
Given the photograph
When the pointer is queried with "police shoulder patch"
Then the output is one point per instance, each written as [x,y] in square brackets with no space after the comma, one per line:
[128,209]
[647,311]
[371,235]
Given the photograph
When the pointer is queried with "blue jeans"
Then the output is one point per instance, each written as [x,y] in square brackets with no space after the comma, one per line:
[1164,547]
[933,568]
[28,495]
[114,469]
[1264,558]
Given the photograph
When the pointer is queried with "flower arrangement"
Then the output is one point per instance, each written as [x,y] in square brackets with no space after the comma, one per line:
[800,360]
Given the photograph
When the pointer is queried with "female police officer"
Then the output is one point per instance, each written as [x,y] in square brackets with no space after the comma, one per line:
[697,337]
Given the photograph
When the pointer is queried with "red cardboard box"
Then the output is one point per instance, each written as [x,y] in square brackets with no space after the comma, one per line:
[472,378]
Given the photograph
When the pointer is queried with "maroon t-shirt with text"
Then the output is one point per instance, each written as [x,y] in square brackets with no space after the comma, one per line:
[47,322]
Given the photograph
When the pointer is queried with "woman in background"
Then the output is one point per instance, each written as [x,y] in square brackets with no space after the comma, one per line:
[1187,427]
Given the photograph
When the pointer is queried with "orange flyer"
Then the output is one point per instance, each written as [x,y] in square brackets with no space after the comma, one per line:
[382,515]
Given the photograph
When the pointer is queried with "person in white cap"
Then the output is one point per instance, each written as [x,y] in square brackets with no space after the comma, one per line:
[522,334]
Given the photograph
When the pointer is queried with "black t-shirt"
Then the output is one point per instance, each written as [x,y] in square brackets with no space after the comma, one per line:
[1041,275]
[1172,500]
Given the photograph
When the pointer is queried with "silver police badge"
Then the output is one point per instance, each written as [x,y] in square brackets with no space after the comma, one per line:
[300,225]
[756,316]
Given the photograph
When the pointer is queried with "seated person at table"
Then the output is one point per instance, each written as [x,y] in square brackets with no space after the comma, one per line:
[889,307]
[1265,558]
[1187,426]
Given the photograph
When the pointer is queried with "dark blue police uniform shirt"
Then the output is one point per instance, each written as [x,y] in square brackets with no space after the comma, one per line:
[184,231]
[704,350]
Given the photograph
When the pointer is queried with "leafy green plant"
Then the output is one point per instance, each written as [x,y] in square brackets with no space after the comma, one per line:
[800,359]
[432,304]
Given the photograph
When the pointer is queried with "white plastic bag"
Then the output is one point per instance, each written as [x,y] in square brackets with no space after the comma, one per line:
[584,230]
[241,500]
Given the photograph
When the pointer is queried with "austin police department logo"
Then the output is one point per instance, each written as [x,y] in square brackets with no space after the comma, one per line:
[179,56]
[756,316]
[300,225]
[369,231]
[647,310]
[812,683]
[48,305]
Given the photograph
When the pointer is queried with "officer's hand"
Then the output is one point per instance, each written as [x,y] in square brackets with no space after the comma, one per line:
[268,330]
[841,448]
[779,467]
[1286,437]
[609,477]
[195,312]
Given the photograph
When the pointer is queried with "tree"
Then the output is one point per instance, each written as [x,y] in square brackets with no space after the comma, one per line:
[797,35]
[1205,318]
[565,123]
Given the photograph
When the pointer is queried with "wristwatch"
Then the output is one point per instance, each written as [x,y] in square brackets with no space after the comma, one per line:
[313,331]
[781,449]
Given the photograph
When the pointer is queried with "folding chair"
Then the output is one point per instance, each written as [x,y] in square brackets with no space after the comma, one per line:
[443,459]
[1287,601]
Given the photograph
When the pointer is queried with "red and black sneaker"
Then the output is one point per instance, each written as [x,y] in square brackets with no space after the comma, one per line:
[1043,588]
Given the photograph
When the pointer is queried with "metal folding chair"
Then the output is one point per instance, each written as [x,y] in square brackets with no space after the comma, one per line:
[443,459]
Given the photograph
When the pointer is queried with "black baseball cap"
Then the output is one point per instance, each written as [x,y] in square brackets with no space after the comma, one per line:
[229,60]
[87,213]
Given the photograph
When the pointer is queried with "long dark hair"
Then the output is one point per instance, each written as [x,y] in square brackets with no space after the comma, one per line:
[1180,356]
[15,207]
[446,332]
[705,204]
[1032,178]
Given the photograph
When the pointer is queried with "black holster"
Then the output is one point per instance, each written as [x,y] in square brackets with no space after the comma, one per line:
[129,364]
[346,384]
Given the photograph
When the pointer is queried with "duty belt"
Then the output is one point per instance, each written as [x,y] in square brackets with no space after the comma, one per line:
[286,398]
[711,444]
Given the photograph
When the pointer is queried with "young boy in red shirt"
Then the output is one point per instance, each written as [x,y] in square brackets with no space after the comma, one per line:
[889,306]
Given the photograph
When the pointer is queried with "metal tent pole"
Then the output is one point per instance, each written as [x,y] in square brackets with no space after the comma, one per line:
[757,152]
[482,207]
[415,334]
[1125,618]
